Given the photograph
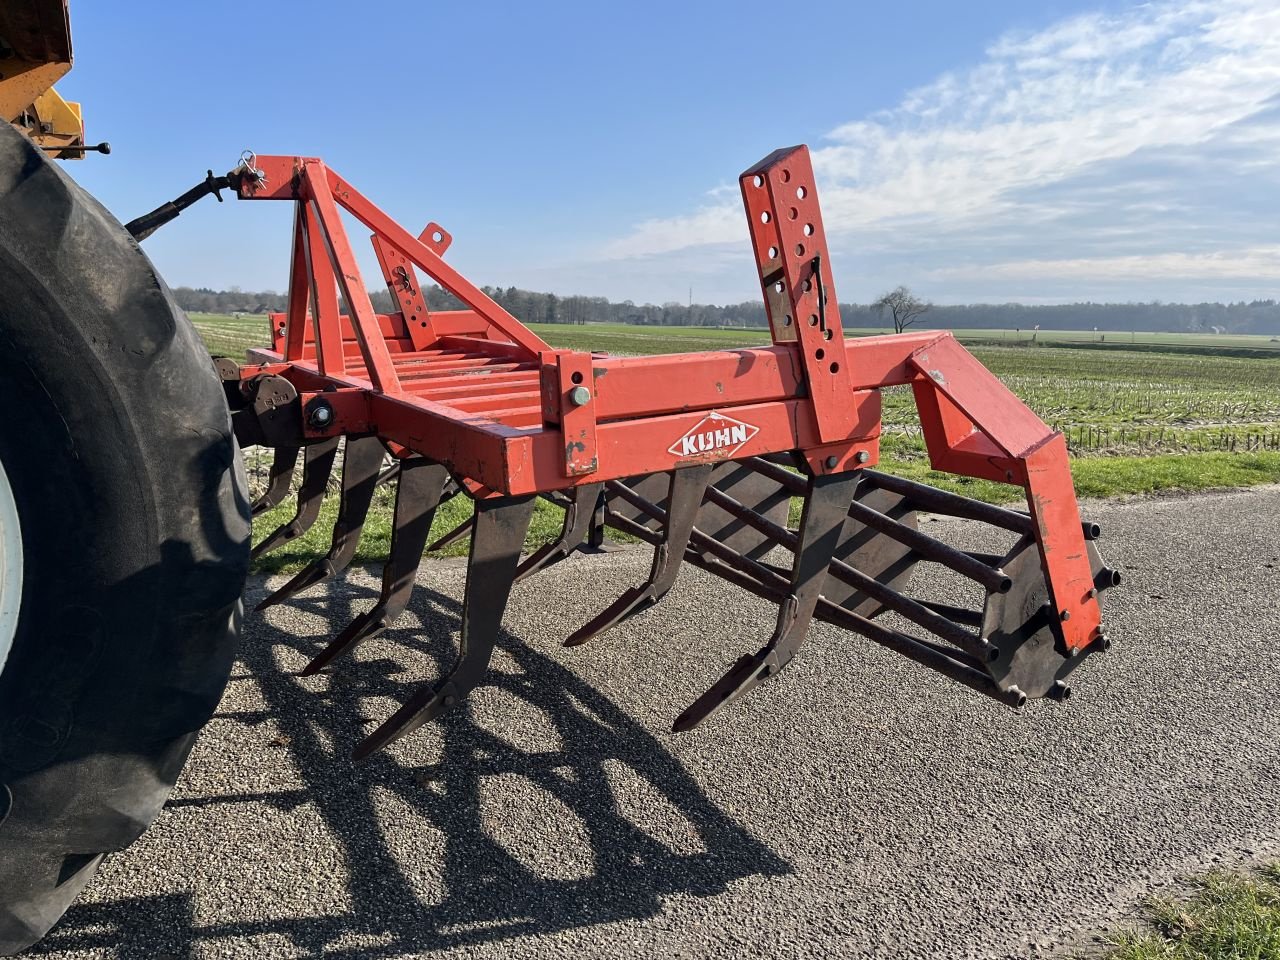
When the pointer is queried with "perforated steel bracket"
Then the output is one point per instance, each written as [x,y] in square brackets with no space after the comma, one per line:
[795,274]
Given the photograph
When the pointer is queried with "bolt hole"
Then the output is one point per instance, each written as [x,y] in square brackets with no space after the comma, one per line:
[827,334]
[808,229]
[799,249]
[813,319]
[793,213]
[576,378]
[820,353]
[779,287]
[801,193]
[786,175]
[438,237]
[807,285]
[757,181]
[764,216]
[835,367]
[773,253]
[786,321]
[423,323]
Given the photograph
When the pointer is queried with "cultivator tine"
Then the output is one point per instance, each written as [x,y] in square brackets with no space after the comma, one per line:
[500,528]
[317,466]
[361,463]
[278,479]
[420,490]
[687,488]
[826,508]
[579,514]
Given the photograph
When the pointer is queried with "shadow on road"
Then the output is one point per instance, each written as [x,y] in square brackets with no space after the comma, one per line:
[485,892]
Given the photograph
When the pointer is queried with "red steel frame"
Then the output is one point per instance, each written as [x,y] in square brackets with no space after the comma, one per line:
[479,392]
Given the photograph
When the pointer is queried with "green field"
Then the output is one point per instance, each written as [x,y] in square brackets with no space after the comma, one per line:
[231,336]
[1171,413]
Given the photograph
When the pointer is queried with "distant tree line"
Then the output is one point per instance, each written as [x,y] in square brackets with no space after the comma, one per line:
[1256,316]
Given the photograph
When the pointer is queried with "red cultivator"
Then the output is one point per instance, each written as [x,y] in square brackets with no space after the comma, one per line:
[698,454]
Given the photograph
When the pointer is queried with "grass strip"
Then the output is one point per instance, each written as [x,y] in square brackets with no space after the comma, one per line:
[1226,916]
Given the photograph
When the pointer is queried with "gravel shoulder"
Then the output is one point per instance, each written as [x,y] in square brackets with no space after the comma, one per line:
[856,805]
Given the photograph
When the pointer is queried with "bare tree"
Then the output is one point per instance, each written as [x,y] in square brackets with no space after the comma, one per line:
[903,305]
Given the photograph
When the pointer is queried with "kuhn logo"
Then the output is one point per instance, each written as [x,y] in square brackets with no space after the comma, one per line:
[715,436]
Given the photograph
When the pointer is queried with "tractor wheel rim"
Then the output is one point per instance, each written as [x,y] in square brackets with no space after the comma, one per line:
[10,567]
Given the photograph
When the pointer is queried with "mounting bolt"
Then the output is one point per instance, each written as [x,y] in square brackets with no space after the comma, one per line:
[862,456]
[832,462]
[321,416]
[579,396]
[1065,616]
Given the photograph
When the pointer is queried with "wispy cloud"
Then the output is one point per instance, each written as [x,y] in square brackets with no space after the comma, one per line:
[1104,141]
[1261,264]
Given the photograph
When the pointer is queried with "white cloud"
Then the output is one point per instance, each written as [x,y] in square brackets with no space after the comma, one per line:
[972,153]
[1253,263]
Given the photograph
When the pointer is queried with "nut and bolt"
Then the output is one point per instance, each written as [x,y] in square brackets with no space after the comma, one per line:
[832,462]
[862,456]
[579,396]
[321,416]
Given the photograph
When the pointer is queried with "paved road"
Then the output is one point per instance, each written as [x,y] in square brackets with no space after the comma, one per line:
[856,805]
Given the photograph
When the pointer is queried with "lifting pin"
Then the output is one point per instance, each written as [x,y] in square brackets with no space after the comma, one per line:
[579,396]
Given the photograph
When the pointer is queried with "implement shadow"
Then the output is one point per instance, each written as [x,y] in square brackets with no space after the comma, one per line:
[487,893]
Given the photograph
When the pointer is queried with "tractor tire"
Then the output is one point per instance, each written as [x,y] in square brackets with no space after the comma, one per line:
[124,538]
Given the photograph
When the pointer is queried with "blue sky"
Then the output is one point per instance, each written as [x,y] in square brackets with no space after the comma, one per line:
[985,151]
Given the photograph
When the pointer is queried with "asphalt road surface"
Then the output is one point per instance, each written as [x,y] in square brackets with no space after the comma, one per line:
[856,805]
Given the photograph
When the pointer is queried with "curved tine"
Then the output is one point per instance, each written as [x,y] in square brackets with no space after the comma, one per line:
[826,509]
[501,525]
[278,480]
[688,486]
[361,462]
[317,466]
[418,493]
[578,514]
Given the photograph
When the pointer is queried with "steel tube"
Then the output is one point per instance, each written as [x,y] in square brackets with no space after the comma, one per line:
[913,611]
[971,618]
[927,547]
[951,504]
[923,544]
